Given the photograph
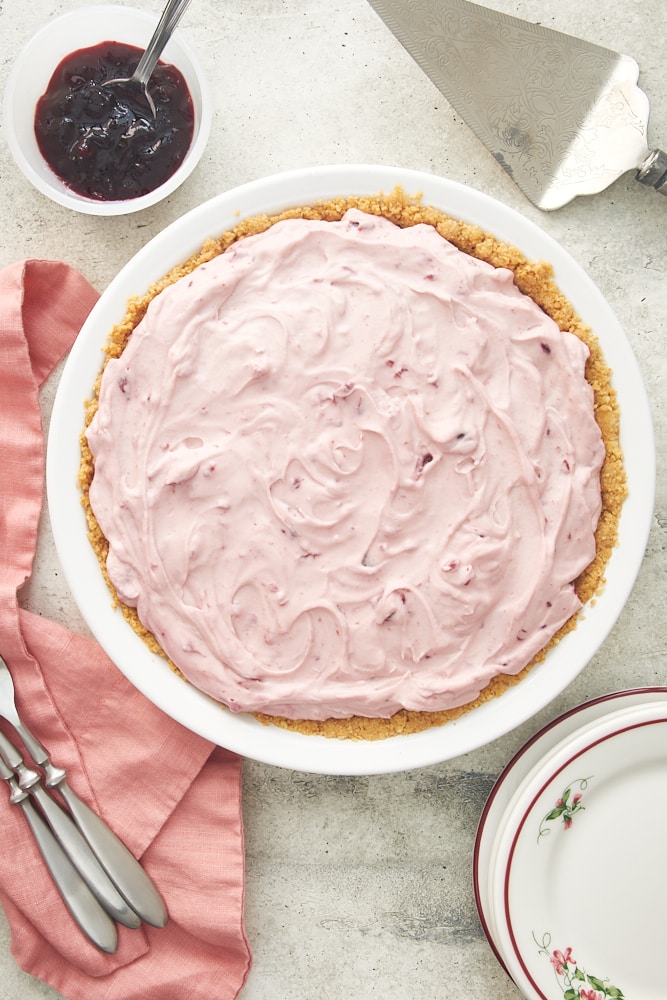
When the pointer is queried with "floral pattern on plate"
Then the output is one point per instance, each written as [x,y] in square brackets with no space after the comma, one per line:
[599,887]
[575,983]
[565,808]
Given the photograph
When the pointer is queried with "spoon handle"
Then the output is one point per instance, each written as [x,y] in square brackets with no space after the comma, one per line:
[171,15]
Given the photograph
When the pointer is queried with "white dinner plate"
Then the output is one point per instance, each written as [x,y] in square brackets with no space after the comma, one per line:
[242,733]
[537,750]
[580,887]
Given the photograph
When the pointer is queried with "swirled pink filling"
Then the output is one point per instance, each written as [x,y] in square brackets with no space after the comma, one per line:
[344,469]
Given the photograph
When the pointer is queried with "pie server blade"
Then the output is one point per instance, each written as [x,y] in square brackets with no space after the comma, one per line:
[563,116]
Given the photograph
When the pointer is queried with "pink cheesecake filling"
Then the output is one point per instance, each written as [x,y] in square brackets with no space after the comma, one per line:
[344,469]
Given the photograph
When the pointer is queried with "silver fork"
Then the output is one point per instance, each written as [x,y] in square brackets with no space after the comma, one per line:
[124,871]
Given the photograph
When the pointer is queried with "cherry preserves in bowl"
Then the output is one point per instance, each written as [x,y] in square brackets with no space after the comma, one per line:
[103,141]
[65,38]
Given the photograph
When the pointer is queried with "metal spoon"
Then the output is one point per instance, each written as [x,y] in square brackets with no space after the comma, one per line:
[171,15]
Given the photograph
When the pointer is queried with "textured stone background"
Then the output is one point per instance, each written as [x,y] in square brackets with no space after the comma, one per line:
[361,887]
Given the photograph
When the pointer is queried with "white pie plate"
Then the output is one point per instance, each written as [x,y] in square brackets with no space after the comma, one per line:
[242,733]
[578,886]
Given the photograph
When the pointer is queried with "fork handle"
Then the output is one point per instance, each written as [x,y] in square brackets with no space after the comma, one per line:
[79,852]
[119,863]
[69,836]
[88,914]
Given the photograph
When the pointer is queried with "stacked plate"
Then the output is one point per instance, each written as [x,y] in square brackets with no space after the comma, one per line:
[570,865]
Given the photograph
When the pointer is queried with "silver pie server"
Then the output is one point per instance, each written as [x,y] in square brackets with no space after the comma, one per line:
[562,116]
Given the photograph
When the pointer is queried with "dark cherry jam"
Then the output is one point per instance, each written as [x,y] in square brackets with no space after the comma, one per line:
[103,142]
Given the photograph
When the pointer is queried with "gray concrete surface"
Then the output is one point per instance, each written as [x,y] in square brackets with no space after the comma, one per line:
[361,887]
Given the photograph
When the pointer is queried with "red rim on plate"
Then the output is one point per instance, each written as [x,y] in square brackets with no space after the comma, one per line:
[515,770]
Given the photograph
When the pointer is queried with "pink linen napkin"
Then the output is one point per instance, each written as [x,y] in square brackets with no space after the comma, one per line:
[172,797]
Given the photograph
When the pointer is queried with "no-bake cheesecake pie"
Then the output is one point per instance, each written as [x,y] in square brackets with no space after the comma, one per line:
[353,468]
